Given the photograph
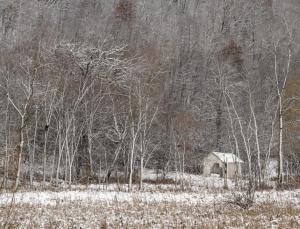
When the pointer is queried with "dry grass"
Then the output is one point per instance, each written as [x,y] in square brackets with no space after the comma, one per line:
[138,214]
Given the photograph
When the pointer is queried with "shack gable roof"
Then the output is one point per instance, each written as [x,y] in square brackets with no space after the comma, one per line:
[227,157]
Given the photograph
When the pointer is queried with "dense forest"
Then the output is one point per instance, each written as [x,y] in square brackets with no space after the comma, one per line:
[96,86]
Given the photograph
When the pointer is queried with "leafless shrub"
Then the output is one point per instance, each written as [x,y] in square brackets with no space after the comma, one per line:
[9,210]
[244,200]
[160,181]
[291,184]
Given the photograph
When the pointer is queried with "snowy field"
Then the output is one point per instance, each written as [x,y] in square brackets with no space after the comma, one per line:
[203,204]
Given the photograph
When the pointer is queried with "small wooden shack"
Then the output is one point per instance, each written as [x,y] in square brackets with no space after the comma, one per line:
[222,163]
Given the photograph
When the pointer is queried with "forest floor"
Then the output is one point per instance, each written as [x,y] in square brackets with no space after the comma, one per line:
[200,205]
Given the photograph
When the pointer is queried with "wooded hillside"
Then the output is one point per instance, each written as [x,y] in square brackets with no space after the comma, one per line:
[121,85]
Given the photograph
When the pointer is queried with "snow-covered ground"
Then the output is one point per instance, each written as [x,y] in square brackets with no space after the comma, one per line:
[202,205]
[189,198]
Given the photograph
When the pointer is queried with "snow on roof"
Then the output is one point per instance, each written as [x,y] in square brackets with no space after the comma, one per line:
[227,157]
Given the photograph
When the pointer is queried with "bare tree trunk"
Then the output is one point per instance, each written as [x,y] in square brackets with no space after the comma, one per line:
[53,161]
[219,122]
[280,151]
[280,94]
[66,168]
[175,154]
[90,140]
[32,155]
[52,166]
[90,147]
[142,145]
[100,172]
[45,154]
[70,174]
[141,172]
[242,132]
[7,133]
[67,161]
[20,153]
[182,166]
[256,139]
[58,165]
[134,134]
[225,176]
[131,155]
[60,149]
[237,148]
[106,168]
